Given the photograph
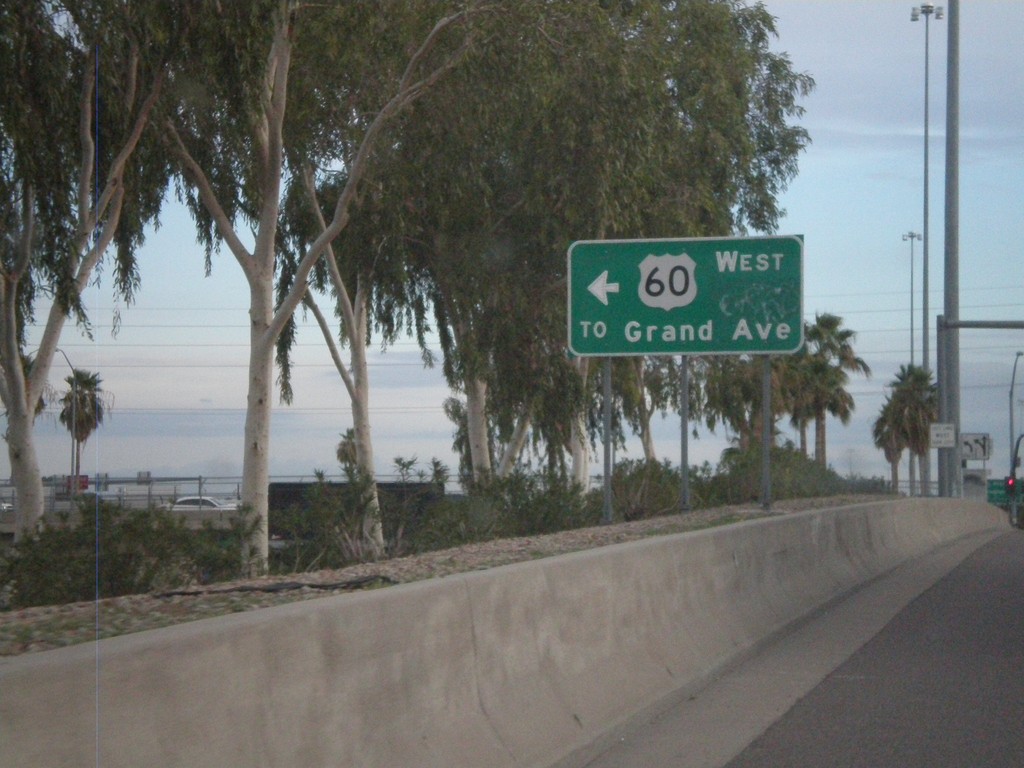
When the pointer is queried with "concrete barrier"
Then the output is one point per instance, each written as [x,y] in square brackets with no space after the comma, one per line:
[515,666]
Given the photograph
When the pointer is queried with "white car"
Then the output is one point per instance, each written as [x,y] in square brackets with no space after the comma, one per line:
[203,504]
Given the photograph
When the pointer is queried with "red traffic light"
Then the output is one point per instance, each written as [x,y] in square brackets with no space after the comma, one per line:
[1011,484]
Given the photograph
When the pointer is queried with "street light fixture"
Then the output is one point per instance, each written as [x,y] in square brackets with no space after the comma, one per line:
[926,10]
[911,236]
[1013,380]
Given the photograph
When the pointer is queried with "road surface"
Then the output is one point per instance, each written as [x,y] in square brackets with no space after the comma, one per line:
[923,667]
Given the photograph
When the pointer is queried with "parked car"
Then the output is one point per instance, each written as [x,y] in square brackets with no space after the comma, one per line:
[203,504]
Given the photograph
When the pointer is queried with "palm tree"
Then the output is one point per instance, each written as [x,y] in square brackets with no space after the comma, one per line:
[888,438]
[82,409]
[795,374]
[831,352]
[915,402]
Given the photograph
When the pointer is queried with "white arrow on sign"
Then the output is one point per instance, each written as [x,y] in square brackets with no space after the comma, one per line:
[601,288]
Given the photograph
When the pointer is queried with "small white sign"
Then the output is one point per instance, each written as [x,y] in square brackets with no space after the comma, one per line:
[667,281]
[942,435]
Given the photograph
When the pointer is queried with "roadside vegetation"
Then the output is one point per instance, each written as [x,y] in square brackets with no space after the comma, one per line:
[109,551]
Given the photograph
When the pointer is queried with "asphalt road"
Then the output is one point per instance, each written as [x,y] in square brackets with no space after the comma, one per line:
[923,667]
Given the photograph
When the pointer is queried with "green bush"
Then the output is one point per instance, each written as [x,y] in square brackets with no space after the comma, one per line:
[327,530]
[407,504]
[706,490]
[521,504]
[643,489]
[453,522]
[527,504]
[793,476]
[111,551]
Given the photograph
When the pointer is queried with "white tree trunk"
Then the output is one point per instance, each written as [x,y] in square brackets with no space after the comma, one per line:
[646,438]
[28,482]
[256,452]
[373,529]
[21,450]
[21,393]
[476,429]
[354,327]
[579,450]
[579,445]
[258,266]
[515,446]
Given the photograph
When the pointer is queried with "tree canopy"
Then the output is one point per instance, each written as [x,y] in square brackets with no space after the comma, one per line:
[421,166]
[91,72]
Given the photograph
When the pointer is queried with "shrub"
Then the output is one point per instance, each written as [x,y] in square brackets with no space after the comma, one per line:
[793,476]
[643,489]
[405,505]
[453,522]
[327,530]
[521,504]
[526,504]
[111,551]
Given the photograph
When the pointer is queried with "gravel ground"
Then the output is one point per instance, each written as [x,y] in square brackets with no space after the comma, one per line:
[46,627]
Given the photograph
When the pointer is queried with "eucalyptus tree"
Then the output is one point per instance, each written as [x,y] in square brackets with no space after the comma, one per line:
[274,92]
[653,385]
[731,149]
[636,119]
[363,277]
[731,393]
[500,177]
[80,172]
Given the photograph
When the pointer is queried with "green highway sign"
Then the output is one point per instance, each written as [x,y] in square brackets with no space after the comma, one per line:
[694,296]
[996,493]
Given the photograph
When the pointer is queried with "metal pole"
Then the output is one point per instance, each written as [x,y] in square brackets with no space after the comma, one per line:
[926,10]
[911,301]
[1013,379]
[952,240]
[684,437]
[926,465]
[941,340]
[766,434]
[924,247]
[912,236]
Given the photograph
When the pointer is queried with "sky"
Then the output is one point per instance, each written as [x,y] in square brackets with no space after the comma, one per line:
[175,370]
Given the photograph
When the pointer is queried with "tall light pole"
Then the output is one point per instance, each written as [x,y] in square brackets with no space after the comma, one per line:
[912,236]
[1013,379]
[926,10]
